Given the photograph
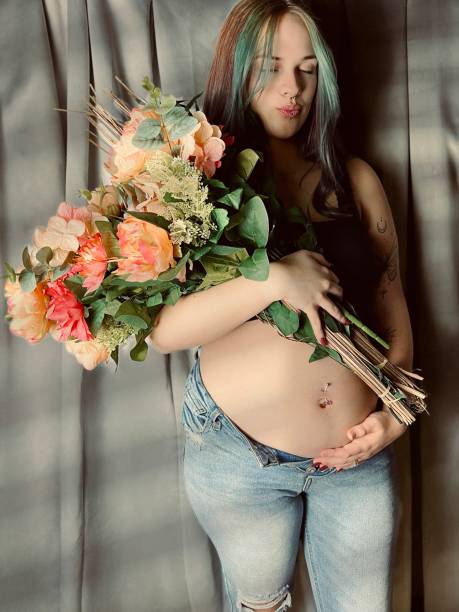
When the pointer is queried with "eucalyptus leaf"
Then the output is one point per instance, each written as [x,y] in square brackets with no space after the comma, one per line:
[26,259]
[27,281]
[44,255]
[10,272]
[148,134]
[164,104]
[178,122]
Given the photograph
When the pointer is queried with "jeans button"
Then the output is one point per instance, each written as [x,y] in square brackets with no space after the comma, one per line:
[311,469]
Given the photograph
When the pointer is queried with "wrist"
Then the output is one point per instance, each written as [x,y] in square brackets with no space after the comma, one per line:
[276,281]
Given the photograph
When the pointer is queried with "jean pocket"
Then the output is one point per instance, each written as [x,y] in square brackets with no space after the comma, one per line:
[195,414]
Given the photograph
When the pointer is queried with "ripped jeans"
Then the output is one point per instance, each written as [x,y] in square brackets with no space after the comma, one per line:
[256,503]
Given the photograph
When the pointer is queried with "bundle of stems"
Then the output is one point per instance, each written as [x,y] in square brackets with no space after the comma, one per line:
[391,383]
[377,371]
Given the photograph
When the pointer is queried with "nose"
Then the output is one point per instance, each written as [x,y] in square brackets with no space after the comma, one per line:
[290,84]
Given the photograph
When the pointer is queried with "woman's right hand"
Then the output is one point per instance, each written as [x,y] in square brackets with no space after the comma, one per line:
[303,279]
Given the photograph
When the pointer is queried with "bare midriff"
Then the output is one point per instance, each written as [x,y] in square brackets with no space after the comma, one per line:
[265,384]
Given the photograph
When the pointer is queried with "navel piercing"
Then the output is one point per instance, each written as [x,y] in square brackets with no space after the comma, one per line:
[325,401]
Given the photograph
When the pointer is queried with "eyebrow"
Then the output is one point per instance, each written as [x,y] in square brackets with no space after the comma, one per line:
[279,58]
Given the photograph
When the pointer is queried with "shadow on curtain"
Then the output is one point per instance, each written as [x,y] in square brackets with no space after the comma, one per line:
[94,515]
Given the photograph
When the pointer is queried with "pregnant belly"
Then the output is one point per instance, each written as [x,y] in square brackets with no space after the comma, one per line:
[265,384]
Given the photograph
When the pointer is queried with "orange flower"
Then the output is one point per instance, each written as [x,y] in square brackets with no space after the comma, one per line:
[91,262]
[204,143]
[147,249]
[28,311]
[89,353]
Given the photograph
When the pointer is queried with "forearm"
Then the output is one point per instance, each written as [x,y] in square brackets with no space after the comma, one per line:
[199,318]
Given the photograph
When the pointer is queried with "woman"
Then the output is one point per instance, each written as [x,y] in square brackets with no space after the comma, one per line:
[267,431]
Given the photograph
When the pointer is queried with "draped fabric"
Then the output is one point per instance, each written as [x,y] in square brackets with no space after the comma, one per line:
[93,511]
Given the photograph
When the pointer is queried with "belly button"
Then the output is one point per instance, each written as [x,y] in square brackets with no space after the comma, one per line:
[325,401]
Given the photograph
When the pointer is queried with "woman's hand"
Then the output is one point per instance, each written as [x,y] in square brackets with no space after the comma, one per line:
[303,280]
[378,430]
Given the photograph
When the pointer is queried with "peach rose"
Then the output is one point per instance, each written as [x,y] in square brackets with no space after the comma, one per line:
[28,311]
[88,353]
[147,249]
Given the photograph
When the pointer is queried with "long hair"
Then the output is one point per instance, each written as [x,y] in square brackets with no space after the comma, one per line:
[227,96]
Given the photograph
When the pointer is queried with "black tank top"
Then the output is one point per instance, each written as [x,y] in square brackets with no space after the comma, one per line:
[345,244]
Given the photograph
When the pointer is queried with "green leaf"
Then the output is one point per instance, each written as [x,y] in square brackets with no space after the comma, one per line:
[44,255]
[27,281]
[305,332]
[112,306]
[220,216]
[173,295]
[140,350]
[216,183]
[253,222]
[287,320]
[155,299]
[97,313]
[150,218]
[164,104]
[114,355]
[233,198]
[132,314]
[319,353]
[148,134]
[246,161]
[330,322]
[59,271]
[256,267]
[178,122]
[26,259]
[170,274]
[10,272]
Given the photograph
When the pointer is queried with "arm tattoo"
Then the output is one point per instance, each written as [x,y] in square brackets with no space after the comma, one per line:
[391,264]
[381,225]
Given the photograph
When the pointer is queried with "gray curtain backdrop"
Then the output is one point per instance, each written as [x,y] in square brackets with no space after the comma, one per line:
[93,512]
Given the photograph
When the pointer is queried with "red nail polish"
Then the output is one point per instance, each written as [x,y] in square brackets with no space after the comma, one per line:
[347,322]
[316,465]
[323,341]
[324,467]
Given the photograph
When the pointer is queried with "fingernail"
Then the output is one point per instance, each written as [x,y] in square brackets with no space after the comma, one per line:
[324,467]
[347,322]
[316,465]
[323,341]
[339,469]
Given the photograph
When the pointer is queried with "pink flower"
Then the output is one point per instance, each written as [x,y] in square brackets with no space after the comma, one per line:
[147,249]
[205,144]
[89,354]
[66,310]
[28,311]
[91,262]
[208,158]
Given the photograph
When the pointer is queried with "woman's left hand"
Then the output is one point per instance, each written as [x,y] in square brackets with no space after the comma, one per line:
[377,431]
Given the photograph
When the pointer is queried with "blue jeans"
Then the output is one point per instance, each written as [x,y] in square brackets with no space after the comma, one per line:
[256,503]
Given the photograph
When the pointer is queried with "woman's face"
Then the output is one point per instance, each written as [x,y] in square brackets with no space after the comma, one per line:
[293,72]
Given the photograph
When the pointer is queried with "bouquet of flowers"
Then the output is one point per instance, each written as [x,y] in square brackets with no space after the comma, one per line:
[166,226]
